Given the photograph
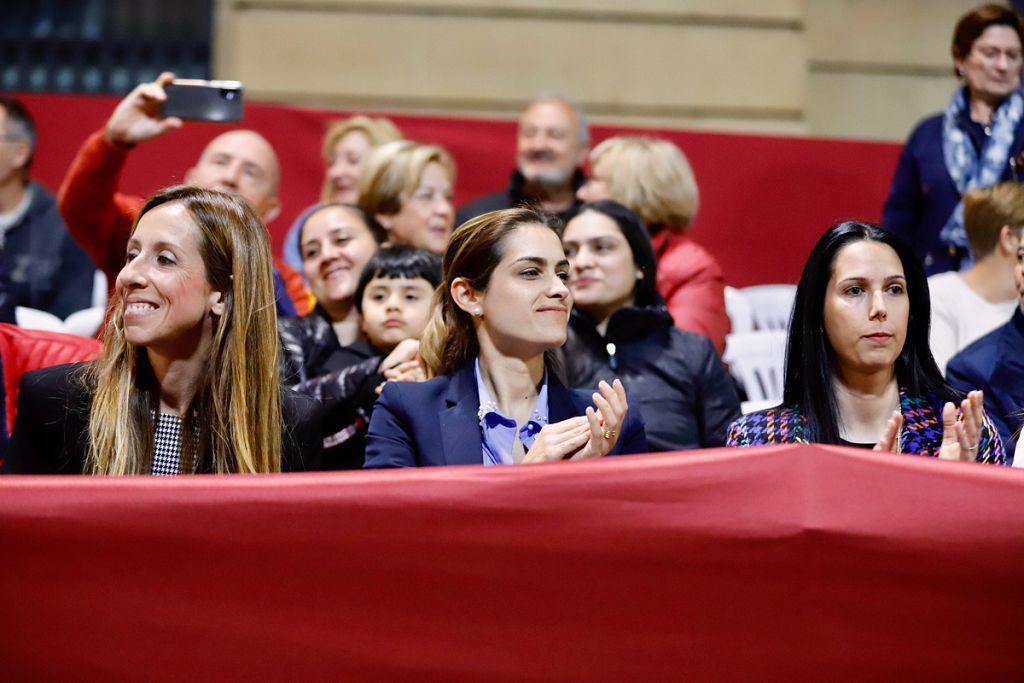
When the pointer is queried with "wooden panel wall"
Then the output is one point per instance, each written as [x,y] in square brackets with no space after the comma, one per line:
[850,68]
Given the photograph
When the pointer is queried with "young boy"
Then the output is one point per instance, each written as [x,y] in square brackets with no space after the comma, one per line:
[393,299]
[393,295]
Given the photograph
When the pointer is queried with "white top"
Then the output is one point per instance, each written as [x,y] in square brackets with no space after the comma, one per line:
[1018,453]
[960,316]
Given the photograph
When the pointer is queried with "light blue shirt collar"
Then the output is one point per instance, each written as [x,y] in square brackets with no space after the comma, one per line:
[498,431]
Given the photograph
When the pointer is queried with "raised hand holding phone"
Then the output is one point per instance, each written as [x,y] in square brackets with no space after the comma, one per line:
[138,117]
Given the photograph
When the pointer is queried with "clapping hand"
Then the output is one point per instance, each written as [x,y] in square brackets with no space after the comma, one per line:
[961,438]
[890,439]
[588,436]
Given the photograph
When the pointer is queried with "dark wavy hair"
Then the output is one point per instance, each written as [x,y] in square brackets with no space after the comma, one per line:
[971,25]
[395,261]
[639,241]
[810,358]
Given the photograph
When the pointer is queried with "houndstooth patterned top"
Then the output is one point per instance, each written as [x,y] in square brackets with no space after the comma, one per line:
[921,433]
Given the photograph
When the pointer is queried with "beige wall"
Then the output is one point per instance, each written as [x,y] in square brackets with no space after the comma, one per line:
[851,68]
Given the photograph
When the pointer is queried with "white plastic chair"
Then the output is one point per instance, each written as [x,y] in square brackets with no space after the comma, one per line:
[85,322]
[757,360]
[99,290]
[34,319]
[739,310]
[771,304]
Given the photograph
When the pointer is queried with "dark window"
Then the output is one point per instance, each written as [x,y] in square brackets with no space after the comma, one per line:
[102,46]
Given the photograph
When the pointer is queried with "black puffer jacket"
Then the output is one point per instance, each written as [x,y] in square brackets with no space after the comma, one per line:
[343,379]
[676,378]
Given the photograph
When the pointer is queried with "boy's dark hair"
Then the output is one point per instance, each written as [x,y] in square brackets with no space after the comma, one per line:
[399,260]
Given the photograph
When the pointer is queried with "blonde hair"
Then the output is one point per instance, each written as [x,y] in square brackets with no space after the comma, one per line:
[235,413]
[652,178]
[379,131]
[392,173]
[475,249]
[987,210]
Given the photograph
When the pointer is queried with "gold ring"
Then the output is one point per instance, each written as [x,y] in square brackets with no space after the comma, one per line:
[608,433]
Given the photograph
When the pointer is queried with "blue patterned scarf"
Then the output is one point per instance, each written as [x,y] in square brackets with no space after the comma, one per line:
[966,166]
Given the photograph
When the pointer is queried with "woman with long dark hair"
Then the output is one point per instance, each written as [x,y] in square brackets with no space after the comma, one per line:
[859,370]
[620,328]
[502,305]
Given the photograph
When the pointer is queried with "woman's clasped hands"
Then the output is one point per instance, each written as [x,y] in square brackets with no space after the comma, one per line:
[961,435]
[593,435]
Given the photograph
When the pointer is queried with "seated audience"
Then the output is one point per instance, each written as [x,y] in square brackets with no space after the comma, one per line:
[188,378]
[619,328]
[46,267]
[551,146]
[336,243]
[406,190]
[969,304]
[654,180]
[995,364]
[858,368]
[100,218]
[501,306]
[393,299]
[346,145]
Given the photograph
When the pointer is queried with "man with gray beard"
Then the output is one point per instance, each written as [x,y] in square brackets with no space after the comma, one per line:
[551,145]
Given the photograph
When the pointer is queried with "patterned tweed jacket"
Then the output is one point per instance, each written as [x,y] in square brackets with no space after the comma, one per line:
[921,433]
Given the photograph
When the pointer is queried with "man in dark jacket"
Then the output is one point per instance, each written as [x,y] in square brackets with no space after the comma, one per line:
[551,145]
[995,364]
[47,268]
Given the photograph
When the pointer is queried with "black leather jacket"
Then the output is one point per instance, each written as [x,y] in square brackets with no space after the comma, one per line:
[344,379]
[676,378]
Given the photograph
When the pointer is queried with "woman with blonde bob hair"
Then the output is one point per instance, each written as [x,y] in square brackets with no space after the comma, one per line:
[406,189]
[653,179]
[346,145]
[187,380]
[501,306]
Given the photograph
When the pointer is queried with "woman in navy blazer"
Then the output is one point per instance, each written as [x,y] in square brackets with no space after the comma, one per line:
[495,399]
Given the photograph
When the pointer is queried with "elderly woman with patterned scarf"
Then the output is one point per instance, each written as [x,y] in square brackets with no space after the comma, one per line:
[976,142]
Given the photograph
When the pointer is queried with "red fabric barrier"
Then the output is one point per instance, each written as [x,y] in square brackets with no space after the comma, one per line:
[764,200]
[783,563]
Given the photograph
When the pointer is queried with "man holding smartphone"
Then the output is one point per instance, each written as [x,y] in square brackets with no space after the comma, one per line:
[100,218]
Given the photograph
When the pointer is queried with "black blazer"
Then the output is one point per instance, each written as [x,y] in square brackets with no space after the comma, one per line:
[418,424]
[51,430]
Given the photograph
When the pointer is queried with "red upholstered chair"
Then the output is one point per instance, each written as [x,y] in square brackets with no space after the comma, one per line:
[22,350]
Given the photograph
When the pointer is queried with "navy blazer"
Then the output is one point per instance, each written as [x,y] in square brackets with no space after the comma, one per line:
[995,364]
[421,424]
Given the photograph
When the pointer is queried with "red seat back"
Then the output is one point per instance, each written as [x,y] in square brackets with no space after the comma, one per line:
[23,350]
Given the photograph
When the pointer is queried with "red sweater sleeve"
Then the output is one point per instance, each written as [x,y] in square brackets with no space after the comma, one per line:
[693,285]
[296,287]
[97,216]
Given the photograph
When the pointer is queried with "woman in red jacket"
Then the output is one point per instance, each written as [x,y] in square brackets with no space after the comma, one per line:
[653,179]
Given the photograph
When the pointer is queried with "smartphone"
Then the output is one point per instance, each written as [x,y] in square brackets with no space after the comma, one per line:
[200,100]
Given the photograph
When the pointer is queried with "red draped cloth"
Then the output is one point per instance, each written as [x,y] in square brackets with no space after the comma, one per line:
[779,563]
